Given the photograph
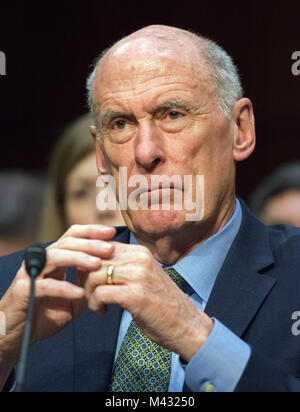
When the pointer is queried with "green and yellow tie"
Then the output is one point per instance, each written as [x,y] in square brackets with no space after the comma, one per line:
[142,365]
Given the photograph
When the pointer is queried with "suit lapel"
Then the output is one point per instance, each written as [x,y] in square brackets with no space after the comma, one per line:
[241,287]
[95,339]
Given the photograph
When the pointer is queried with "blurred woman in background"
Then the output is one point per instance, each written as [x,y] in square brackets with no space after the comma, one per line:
[277,199]
[72,191]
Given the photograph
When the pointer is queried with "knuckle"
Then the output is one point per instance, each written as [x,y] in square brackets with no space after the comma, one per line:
[51,253]
[19,287]
[98,294]
[95,300]
[63,286]
[74,228]
[63,243]
[92,280]
[144,255]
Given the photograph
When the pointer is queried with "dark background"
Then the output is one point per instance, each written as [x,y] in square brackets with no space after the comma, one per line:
[50,46]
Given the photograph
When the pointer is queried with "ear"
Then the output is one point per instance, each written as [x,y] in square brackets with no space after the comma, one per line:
[99,154]
[244,130]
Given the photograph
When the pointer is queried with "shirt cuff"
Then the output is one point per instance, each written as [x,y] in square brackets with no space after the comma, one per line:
[219,363]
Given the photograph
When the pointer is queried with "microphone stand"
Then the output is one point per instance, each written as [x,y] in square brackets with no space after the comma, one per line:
[21,370]
[35,260]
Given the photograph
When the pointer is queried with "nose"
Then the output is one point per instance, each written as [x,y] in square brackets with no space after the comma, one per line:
[149,150]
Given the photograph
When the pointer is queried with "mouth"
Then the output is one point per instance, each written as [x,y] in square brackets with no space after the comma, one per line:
[159,187]
[160,196]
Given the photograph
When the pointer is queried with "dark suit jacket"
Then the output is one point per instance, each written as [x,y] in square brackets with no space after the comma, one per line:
[255,295]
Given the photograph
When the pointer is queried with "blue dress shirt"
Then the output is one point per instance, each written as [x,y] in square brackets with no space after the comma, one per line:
[220,362]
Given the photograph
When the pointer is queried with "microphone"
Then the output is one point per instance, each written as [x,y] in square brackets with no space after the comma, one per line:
[35,261]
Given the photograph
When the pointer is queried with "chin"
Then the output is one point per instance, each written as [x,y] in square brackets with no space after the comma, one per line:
[158,221]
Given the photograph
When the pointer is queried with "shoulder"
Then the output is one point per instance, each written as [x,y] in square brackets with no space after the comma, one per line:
[285,244]
[285,241]
[282,241]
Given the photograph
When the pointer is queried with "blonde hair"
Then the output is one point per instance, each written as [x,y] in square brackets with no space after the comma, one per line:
[75,144]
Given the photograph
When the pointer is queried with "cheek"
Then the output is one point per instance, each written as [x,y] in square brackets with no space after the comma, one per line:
[201,149]
[215,146]
[209,154]
[117,155]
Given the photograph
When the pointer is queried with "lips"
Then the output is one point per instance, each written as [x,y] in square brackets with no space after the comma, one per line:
[160,186]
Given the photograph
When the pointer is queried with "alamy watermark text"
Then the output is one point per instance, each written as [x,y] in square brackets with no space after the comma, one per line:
[296,65]
[296,325]
[160,193]
[2,64]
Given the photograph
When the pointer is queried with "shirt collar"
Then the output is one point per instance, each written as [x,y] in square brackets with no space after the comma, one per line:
[201,267]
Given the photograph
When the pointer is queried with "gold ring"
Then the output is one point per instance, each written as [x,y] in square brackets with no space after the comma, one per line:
[109,275]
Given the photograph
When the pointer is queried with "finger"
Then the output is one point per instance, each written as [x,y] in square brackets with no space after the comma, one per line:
[58,273]
[101,310]
[50,288]
[99,277]
[106,294]
[124,273]
[95,279]
[91,232]
[58,289]
[57,258]
[98,248]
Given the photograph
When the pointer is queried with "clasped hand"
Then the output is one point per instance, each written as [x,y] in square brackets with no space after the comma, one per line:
[140,286]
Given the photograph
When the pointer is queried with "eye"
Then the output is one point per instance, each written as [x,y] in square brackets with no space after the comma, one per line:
[174,115]
[119,124]
[79,194]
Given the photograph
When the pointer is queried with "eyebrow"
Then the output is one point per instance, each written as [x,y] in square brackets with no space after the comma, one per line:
[173,104]
[110,115]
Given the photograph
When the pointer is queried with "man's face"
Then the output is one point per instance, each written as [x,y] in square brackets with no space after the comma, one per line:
[159,116]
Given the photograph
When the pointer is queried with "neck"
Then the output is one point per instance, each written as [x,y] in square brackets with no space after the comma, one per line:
[171,247]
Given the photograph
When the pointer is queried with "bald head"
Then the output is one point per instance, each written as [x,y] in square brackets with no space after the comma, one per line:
[162,40]
[157,41]
[170,42]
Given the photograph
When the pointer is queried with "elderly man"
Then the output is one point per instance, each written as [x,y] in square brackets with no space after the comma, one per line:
[190,305]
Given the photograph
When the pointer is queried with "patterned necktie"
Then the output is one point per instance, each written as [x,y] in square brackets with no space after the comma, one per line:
[142,365]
